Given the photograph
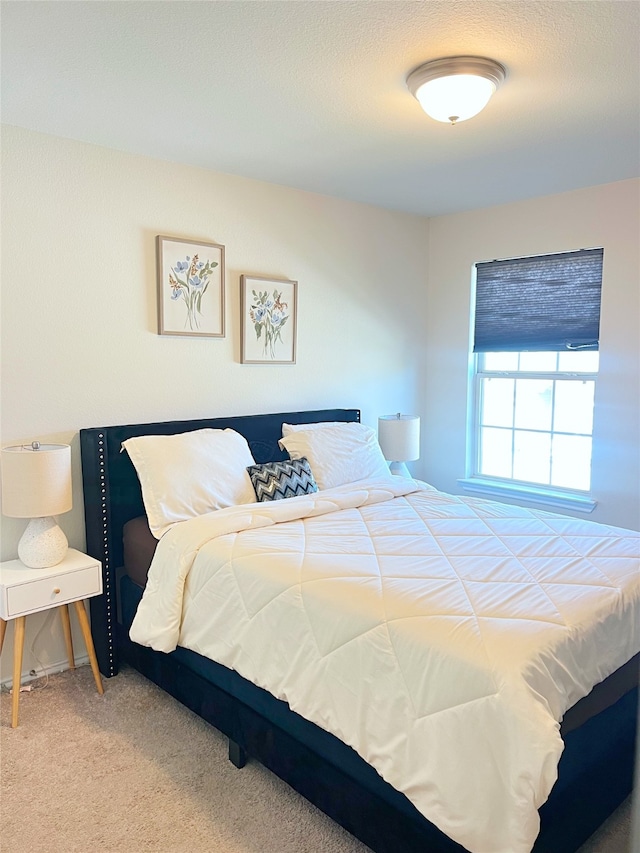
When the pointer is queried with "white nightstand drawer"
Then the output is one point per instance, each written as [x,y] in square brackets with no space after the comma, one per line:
[43,593]
[24,591]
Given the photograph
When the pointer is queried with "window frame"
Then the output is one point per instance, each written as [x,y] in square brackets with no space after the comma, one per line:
[474,481]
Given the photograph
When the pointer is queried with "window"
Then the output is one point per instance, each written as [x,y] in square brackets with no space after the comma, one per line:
[535,367]
[535,417]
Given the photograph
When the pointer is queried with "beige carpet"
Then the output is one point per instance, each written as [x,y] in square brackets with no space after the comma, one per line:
[134,770]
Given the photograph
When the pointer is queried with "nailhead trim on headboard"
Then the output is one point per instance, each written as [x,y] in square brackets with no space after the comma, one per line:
[106,566]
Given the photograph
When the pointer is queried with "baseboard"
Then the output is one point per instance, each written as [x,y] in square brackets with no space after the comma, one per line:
[53,668]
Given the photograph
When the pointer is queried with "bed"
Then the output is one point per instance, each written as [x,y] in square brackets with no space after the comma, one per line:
[595,770]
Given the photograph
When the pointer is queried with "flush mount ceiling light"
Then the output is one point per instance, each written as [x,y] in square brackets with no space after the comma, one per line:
[456,88]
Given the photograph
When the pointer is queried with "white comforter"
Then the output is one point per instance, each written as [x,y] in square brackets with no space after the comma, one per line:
[443,638]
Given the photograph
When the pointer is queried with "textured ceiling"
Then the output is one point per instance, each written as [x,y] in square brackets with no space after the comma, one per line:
[313,94]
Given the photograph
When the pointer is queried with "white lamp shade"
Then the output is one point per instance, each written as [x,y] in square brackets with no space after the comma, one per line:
[399,437]
[36,482]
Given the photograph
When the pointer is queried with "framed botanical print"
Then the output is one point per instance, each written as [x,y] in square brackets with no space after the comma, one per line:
[268,315]
[190,287]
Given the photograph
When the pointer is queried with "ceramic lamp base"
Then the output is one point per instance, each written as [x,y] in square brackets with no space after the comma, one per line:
[399,469]
[43,544]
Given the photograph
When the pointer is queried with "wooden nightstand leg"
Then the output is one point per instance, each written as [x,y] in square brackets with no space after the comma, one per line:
[3,631]
[66,628]
[18,645]
[83,619]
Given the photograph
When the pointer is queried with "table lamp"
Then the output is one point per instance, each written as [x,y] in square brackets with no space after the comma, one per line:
[399,438]
[36,484]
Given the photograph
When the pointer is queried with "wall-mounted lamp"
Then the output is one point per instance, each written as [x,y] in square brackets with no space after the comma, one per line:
[455,88]
[399,438]
[36,484]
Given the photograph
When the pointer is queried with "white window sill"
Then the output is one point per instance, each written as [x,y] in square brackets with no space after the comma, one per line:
[561,500]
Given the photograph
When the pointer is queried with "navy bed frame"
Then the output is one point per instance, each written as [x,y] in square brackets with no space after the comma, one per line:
[595,771]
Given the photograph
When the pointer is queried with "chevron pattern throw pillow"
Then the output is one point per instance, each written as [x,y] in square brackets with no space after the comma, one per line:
[274,481]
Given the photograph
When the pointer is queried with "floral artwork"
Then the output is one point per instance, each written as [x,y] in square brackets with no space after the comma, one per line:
[189,280]
[268,313]
[190,288]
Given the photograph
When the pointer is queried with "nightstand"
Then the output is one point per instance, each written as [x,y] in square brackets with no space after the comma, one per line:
[24,591]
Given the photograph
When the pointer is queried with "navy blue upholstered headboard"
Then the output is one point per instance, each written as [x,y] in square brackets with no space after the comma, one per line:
[112,494]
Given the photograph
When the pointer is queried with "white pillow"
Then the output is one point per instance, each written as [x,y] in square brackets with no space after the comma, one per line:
[338,453]
[190,473]
[287,429]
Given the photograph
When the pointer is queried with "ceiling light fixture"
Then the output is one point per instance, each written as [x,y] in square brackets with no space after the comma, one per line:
[455,88]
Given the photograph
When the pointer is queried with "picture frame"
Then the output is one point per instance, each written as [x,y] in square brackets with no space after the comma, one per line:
[268,319]
[191,280]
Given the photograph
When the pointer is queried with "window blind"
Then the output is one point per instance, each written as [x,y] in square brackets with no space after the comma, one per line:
[549,302]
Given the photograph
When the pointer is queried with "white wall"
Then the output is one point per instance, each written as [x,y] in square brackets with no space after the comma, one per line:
[605,216]
[79,342]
